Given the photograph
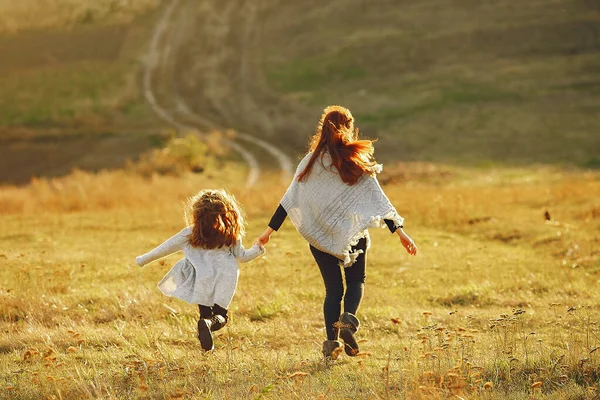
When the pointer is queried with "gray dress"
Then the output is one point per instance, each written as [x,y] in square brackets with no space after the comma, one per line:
[204,276]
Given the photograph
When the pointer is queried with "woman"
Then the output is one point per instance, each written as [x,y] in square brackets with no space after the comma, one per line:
[332,201]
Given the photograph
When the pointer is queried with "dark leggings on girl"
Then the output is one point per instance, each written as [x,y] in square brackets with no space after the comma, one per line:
[207,312]
[334,288]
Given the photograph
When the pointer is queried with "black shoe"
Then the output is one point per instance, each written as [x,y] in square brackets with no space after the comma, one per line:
[348,326]
[205,335]
[217,322]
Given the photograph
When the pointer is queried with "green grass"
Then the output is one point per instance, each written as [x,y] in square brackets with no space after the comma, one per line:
[62,94]
[68,85]
[313,73]
[464,83]
[71,98]
[470,83]
[456,96]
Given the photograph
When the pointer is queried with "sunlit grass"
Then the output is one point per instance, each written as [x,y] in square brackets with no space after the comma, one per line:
[500,303]
[39,14]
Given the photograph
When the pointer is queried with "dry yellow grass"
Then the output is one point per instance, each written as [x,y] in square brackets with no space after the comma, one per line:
[499,303]
[40,14]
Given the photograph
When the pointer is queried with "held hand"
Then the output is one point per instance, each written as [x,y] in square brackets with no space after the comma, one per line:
[264,238]
[408,243]
[259,243]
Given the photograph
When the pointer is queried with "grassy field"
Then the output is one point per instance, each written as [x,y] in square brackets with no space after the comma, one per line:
[69,80]
[70,71]
[502,301]
[468,82]
[499,303]
[65,14]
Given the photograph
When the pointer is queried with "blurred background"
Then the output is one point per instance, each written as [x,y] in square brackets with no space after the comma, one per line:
[90,84]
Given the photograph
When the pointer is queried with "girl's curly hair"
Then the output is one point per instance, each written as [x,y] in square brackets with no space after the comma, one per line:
[216,218]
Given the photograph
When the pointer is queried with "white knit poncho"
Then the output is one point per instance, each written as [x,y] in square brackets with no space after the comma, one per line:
[332,215]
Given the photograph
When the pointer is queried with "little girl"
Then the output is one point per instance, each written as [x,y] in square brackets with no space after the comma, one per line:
[212,245]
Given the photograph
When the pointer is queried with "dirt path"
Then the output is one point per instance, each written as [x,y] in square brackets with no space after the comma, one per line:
[217,78]
[221,74]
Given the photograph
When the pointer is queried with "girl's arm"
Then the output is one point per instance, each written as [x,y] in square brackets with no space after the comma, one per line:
[170,246]
[243,255]
[407,242]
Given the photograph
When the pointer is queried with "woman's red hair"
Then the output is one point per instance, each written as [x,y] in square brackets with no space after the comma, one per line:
[336,134]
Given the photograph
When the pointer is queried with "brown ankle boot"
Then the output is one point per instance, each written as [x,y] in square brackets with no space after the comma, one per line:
[348,326]
[332,349]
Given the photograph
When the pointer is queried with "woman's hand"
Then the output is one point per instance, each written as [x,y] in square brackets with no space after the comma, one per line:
[264,238]
[407,242]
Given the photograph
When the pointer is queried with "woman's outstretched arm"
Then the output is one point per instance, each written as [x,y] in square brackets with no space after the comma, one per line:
[274,225]
[392,225]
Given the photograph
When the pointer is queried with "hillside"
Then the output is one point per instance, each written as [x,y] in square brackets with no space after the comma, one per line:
[462,82]
[69,86]
[466,82]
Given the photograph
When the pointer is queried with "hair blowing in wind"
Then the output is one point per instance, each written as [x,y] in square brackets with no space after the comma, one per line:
[216,218]
[336,134]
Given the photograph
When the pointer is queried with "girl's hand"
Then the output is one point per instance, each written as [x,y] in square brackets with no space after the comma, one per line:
[264,238]
[138,261]
[407,242]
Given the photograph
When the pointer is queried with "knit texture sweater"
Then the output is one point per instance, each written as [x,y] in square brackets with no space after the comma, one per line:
[205,276]
[332,215]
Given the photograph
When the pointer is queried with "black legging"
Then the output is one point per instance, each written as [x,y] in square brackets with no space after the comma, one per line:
[207,312]
[334,287]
